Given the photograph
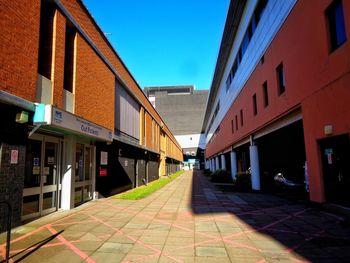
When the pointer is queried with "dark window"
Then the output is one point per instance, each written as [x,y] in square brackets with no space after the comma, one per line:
[228,82]
[232,127]
[69,57]
[236,120]
[245,43]
[252,27]
[280,79]
[265,94]
[241,113]
[259,10]
[45,38]
[335,16]
[255,107]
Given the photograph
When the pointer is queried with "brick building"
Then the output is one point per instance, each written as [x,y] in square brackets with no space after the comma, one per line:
[279,101]
[75,123]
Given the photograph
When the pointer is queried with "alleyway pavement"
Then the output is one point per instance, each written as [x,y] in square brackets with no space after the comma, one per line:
[189,220]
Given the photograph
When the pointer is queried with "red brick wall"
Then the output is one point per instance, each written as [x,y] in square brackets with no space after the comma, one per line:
[94,88]
[19,34]
[57,73]
[78,11]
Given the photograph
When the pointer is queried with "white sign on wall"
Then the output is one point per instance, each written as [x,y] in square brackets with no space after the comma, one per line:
[69,121]
[104,158]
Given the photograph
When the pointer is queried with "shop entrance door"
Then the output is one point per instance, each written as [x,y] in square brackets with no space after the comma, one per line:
[335,153]
[83,173]
[41,183]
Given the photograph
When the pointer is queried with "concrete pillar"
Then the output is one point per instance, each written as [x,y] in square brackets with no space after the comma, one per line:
[68,179]
[213,165]
[254,166]
[217,165]
[233,158]
[223,162]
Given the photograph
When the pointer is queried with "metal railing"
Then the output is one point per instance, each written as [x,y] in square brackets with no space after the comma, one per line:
[9,223]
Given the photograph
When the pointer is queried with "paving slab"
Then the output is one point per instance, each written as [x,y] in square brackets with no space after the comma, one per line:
[189,220]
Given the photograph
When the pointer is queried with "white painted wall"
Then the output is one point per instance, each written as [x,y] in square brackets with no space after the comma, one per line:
[273,17]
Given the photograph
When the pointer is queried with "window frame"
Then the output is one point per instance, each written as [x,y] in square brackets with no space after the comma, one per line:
[333,25]
[281,79]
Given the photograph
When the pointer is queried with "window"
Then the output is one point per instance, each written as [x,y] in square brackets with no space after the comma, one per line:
[232,127]
[255,107]
[259,10]
[260,7]
[265,94]
[241,113]
[127,114]
[47,12]
[280,79]
[236,120]
[69,57]
[335,17]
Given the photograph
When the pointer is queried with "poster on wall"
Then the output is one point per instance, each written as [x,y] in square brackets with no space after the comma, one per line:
[14,156]
[104,158]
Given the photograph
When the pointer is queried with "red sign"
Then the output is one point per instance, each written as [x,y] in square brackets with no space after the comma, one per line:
[103,171]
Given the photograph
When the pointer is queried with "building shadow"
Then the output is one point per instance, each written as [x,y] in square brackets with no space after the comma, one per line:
[302,229]
[23,254]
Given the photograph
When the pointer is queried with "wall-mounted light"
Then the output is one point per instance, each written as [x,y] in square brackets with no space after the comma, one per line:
[22,117]
[328,129]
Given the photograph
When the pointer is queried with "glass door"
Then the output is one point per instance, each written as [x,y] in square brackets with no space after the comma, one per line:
[40,193]
[83,173]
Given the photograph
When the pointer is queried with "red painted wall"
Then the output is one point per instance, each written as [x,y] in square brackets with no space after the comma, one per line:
[316,80]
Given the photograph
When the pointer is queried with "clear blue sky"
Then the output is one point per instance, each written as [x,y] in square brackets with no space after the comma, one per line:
[164,42]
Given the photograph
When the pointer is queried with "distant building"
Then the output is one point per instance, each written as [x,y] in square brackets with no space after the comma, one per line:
[183,108]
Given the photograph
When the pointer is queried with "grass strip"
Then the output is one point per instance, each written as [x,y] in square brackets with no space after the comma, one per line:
[146,190]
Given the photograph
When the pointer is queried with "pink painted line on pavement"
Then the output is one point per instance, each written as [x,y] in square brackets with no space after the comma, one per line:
[141,258]
[158,252]
[72,223]
[71,246]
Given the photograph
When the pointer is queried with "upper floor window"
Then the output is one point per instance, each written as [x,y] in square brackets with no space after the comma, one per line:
[259,10]
[280,79]
[236,121]
[265,94]
[336,25]
[255,106]
[241,113]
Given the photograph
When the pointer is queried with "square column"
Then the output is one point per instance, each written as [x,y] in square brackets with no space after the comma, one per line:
[68,177]
[223,162]
[233,159]
[217,165]
[254,166]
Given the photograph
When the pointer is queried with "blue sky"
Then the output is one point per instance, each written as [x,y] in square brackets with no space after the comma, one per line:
[164,42]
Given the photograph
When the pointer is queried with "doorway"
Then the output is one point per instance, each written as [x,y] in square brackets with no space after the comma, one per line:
[335,155]
[42,176]
[83,173]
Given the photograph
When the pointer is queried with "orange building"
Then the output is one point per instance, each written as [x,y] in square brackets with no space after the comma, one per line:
[75,123]
[279,102]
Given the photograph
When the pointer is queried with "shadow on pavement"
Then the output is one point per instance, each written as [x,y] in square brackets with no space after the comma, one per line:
[299,227]
[31,249]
